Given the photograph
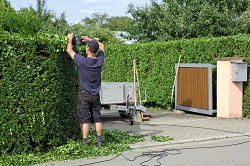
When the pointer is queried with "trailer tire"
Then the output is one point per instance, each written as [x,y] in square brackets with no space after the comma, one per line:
[123,115]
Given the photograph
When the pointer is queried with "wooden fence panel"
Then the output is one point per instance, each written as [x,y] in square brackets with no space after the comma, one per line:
[193,87]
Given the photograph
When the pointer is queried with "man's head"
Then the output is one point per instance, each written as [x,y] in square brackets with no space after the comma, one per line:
[92,46]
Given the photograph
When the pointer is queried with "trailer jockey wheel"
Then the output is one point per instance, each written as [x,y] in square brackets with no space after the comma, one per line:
[131,116]
[131,122]
[130,111]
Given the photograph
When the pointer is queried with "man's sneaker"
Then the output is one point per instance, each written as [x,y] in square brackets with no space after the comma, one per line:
[99,141]
[85,141]
[99,144]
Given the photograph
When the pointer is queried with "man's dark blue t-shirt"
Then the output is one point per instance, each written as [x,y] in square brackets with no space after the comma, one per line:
[90,72]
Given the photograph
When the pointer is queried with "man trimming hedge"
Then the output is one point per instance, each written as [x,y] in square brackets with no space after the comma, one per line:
[89,68]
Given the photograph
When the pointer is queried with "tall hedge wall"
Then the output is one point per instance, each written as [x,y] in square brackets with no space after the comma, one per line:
[156,62]
[37,94]
[38,82]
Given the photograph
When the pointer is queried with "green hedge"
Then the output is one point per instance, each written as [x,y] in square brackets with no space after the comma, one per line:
[37,94]
[156,62]
[38,82]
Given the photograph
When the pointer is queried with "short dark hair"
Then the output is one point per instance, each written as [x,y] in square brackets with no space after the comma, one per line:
[93,46]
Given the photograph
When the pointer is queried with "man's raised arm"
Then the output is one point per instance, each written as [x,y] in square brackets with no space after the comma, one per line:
[70,50]
[101,46]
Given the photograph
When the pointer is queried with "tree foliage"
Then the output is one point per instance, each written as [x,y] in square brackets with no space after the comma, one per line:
[113,23]
[27,20]
[175,19]
[30,21]
[104,34]
[118,23]
[96,19]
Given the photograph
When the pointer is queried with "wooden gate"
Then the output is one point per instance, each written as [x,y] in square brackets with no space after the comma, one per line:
[194,91]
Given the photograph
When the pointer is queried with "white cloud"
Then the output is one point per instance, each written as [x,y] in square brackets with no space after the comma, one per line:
[90,1]
[87,11]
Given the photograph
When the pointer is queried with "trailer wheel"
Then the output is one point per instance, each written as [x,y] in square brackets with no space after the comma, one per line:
[123,115]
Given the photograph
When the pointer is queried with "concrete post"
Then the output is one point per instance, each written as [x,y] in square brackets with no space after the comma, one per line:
[229,93]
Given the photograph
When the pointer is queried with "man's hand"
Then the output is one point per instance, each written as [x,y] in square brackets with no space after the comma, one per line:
[101,46]
[70,36]
[85,38]
[70,50]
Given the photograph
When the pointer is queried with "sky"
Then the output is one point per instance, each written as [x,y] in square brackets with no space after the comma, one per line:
[76,10]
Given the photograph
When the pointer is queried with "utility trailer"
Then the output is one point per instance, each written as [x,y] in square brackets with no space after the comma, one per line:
[123,97]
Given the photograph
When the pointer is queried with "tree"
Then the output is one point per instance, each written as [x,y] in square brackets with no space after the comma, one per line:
[5,5]
[105,35]
[175,19]
[30,21]
[96,19]
[114,23]
[6,13]
[43,12]
[61,25]
[118,23]
[147,21]
[41,7]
